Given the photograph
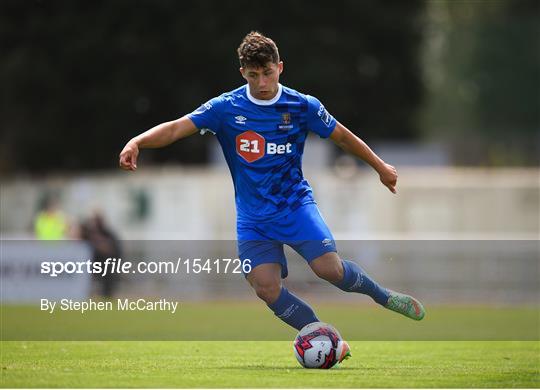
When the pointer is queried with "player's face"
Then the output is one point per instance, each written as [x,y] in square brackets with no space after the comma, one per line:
[263,81]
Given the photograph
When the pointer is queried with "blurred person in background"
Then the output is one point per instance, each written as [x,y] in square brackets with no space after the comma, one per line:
[105,244]
[50,222]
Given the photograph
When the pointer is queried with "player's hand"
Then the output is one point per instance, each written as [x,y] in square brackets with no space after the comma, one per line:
[388,176]
[128,156]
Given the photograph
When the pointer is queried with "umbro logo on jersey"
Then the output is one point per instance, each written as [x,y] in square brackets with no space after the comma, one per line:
[326,242]
[241,120]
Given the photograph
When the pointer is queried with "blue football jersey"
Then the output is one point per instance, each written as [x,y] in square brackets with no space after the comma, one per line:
[263,142]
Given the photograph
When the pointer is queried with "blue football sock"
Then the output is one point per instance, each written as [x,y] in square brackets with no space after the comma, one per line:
[356,280]
[292,310]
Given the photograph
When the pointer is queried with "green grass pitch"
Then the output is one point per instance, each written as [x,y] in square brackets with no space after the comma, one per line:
[495,347]
[208,364]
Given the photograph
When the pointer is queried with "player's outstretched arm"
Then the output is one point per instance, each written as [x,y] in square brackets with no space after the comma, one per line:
[349,142]
[157,137]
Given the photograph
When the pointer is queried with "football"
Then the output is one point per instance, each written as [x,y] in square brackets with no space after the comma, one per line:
[319,345]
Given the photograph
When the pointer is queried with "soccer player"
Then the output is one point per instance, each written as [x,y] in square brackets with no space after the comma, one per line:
[262,128]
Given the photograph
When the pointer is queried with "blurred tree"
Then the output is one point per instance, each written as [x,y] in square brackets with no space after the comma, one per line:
[81,78]
[482,68]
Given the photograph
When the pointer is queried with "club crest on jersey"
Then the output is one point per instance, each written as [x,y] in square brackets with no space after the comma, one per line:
[241,120]
[252,146]
[285,121]
[286,118]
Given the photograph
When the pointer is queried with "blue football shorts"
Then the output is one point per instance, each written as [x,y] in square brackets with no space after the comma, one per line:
[304,230]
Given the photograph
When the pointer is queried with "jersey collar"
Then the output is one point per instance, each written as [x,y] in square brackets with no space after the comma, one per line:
[261,102]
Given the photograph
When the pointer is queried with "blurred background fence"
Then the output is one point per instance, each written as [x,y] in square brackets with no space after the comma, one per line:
[450,235]
[176,203]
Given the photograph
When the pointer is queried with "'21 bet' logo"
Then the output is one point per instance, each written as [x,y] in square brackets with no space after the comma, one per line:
[252,146]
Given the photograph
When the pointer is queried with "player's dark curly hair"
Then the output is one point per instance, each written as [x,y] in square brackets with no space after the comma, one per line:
[257,51]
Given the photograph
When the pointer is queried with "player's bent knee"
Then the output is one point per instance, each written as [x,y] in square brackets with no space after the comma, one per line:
[266,281]
[331,275]
[328,268]
[268,292]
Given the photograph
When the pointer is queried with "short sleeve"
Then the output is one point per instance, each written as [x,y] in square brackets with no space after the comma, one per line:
[208,115]
[319,120]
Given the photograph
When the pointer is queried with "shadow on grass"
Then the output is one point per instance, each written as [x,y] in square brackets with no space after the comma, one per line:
[289,368]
